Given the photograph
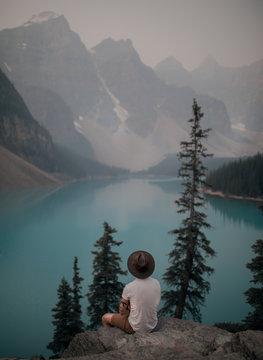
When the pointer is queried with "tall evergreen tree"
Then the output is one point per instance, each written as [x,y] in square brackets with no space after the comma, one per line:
[105,290]
[254,295]
[62,319]
[186,274]
[77,325]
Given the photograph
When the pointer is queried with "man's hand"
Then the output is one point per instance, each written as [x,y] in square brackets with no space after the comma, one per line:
[124,307]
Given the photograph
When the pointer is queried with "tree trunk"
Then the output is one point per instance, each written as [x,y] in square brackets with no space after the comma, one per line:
[190,248]
[186,279]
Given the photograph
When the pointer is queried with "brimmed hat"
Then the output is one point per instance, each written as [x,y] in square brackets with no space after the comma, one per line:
[141,264]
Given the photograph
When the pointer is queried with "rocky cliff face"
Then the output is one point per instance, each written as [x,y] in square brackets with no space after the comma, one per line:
[145,96]
[45,55]
[239,88]
[48,54]
[132,83]
[153,115]
[56,116]
[172,339]
[20,132]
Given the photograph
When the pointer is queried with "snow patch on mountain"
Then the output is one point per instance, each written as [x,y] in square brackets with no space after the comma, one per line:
[42,17]
[121,113]
[7,67]
[239,126]
[119,110]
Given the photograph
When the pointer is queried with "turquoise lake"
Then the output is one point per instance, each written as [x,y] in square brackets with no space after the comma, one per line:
[41,230]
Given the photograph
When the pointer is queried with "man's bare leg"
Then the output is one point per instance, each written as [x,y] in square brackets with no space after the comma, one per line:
[106,320]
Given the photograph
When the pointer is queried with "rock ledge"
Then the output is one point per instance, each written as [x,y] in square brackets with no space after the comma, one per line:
[172,339]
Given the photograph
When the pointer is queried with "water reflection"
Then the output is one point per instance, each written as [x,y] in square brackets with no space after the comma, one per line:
[169,185]
[239,211]
[16,206]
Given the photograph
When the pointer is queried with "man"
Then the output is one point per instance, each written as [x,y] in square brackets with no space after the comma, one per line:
[140,298]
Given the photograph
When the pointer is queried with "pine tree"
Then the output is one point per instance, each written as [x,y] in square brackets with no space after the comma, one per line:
[188,269]
[105,290]
[62,319]
[77,325]
[254,295]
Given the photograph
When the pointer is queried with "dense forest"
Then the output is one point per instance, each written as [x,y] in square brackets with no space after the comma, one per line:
[243,177]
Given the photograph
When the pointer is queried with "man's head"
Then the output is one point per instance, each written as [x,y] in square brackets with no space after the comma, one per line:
[141,264]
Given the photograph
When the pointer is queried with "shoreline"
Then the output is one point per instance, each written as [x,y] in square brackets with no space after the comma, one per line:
[230,196]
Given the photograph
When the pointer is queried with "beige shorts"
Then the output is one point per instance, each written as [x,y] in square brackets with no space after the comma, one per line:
[122,322]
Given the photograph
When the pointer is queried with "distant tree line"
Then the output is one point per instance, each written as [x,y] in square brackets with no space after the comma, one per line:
[243,177]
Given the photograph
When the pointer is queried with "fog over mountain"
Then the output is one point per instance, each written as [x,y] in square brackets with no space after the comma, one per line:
[28,155]
[240,88]
[107,105]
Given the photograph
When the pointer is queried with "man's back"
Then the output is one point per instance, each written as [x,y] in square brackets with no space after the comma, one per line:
[144,296]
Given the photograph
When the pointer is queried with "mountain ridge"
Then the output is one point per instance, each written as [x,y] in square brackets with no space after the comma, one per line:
[240,88]
[126,114]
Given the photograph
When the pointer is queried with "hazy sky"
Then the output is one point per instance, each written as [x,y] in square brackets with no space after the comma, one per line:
[190,30]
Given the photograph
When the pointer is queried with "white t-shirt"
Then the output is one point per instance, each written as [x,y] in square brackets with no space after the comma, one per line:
[144,296]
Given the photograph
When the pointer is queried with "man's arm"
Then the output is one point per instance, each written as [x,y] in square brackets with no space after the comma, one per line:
[124,307]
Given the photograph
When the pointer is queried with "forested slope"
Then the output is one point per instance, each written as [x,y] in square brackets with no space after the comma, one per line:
[243,177]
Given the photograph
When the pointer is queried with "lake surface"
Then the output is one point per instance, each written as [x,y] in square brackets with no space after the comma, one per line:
[41,230]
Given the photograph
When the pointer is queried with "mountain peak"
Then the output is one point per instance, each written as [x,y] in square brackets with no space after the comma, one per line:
[210,61]
[209,64]
[42,17]
[110,49]
[113,45]
[172,72]
[170,63]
